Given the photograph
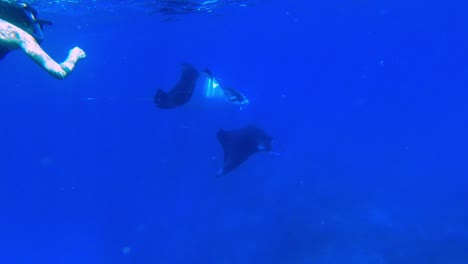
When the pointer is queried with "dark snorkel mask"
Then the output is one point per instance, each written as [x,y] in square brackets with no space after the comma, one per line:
[37,25]
[25,17]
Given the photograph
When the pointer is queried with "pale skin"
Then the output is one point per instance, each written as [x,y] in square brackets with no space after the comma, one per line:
[13,37]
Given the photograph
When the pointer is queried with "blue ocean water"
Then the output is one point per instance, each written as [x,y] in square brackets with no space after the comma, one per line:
[366,101]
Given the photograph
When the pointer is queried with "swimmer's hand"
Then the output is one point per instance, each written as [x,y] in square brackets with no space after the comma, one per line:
[76,53]
[74,56]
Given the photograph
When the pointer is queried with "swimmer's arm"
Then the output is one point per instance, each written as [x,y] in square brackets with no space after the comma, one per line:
[13,36]
[59,71]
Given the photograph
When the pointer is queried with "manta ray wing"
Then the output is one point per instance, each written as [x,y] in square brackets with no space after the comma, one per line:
[181,93]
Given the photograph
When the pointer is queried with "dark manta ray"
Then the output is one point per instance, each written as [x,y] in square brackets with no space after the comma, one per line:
[238,145]
[181,92]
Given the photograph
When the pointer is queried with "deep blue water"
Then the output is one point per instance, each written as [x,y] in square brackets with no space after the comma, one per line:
[366,100]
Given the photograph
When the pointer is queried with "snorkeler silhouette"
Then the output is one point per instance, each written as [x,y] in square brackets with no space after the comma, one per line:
[240,144]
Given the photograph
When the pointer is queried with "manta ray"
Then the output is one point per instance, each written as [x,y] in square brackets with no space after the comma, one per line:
[240,144]
[231,94]
[186,87]
[181,92]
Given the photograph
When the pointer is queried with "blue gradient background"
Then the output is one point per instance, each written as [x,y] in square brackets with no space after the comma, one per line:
[366,100]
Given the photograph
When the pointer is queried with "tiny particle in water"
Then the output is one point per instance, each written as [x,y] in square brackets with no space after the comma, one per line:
[126,250]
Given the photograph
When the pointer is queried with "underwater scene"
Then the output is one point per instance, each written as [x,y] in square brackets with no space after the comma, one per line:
[233,132]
